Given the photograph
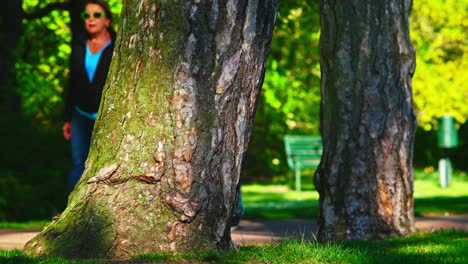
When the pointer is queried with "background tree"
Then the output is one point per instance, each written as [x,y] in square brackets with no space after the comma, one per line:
[365,179]
[172,132]
[439,33]
[12,29]
[10,33]
[438,30]
[290,99]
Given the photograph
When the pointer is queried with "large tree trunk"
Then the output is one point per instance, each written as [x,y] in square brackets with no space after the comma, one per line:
[365,178]
[172,131]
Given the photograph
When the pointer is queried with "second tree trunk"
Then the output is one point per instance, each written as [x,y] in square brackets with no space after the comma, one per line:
[365,178]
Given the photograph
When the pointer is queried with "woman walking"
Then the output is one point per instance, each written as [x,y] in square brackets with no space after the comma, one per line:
[89,65]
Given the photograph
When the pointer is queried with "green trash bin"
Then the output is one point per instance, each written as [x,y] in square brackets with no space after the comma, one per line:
[447,138]
[447,135]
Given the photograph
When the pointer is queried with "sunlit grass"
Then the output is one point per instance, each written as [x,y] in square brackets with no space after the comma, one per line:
[426,184]
[420,248]
[441,247]
[278,202]
[23,225]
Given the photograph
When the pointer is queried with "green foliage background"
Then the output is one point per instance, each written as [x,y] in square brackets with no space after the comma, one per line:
[42,65]
[439,33]
[290,99]
[291,96]
[42,62]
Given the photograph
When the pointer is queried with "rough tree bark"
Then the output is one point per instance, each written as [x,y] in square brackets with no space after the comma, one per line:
[365,178]
[172,131]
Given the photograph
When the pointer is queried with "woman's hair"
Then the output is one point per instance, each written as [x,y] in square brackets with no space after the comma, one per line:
[104,6]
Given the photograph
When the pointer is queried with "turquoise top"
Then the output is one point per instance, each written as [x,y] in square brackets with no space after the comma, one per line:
[92,60]
[92,116]
[91,64]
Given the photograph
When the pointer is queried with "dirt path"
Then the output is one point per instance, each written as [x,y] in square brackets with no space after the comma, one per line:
[252,232]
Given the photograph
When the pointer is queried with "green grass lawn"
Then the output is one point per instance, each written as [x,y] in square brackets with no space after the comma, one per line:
[426,248]
[274,202]
[23,225]
[449,246]
[280,202]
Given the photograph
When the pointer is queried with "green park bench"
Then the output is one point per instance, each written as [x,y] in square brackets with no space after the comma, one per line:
[302,152]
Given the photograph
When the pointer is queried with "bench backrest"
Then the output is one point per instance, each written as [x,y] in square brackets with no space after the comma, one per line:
[303,151]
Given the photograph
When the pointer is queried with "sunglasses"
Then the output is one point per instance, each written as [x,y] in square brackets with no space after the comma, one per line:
[97,15]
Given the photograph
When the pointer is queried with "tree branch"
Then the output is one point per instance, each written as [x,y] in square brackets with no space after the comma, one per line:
[46,10]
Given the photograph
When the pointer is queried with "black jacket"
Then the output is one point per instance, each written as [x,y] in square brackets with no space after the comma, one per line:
[81,92]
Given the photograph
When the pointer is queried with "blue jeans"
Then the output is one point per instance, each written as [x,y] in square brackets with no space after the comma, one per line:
[81,129]
[239,209]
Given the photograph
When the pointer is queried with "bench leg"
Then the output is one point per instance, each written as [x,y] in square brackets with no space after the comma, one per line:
[297,172]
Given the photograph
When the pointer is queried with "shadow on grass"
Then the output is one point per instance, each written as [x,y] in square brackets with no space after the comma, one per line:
[440,205]
[83,234]
[14,256]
